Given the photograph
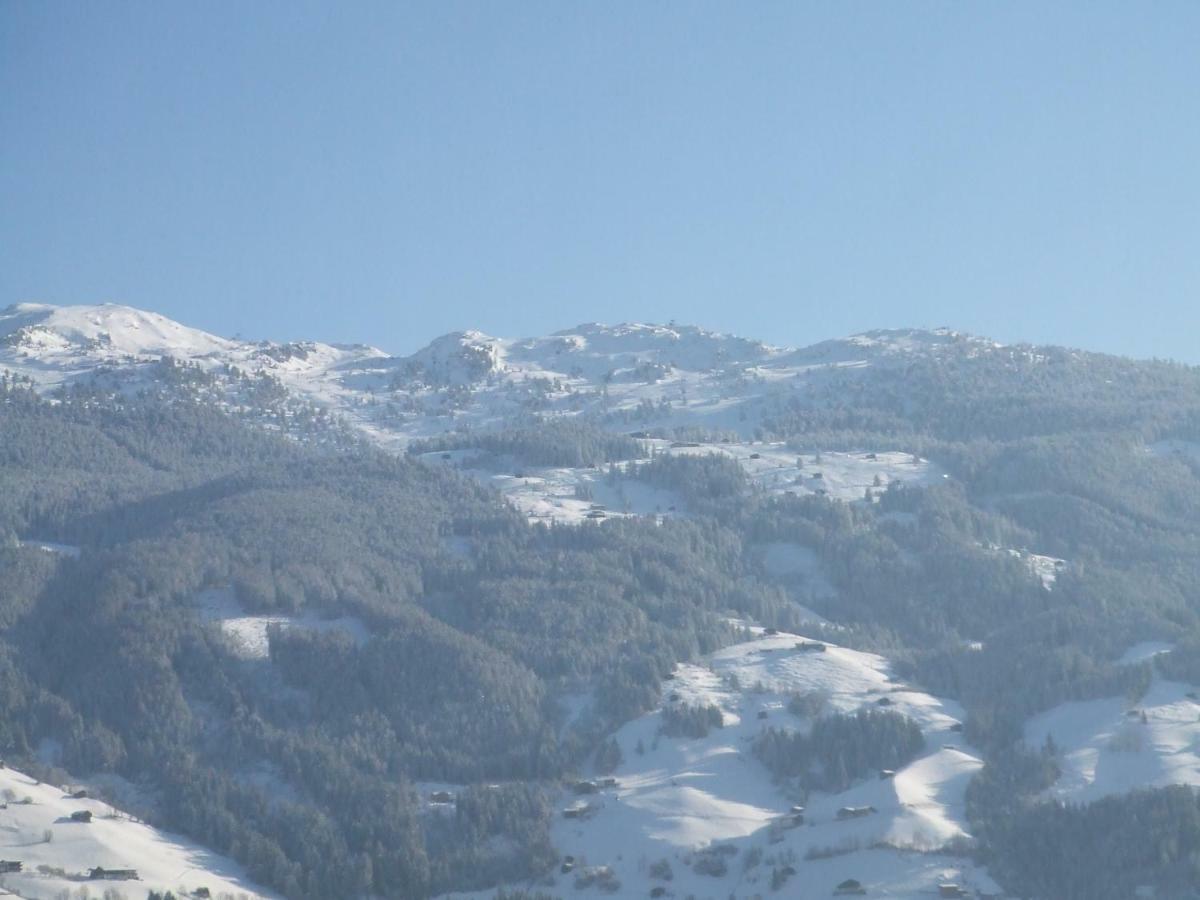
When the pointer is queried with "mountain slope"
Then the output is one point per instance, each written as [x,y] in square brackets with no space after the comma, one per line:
[58,854]
[633,373]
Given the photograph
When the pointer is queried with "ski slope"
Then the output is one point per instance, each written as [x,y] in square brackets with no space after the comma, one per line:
[57,854]
[691,801]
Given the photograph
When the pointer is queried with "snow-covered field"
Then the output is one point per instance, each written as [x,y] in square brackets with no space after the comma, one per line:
[1111,746]
[680,799]
[777,469]
[563,495]
[246,635]
[57,854]
[568,495]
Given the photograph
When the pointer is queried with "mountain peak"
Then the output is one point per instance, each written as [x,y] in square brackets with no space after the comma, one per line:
[107,329]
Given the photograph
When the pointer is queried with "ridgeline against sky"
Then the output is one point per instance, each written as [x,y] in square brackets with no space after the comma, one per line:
[386,172]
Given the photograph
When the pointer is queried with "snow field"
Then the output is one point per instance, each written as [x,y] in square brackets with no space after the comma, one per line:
[1106,747]
[163,861]
[679,799]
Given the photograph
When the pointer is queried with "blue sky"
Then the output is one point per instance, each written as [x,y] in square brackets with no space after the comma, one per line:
[386,172]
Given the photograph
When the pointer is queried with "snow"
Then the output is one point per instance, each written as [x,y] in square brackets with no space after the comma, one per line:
[775,468]
[51,547]
[1045,569]
[247,635]
[566,495]
[626,376]
[681,797]
[562,495]
[1105,748]
[108,329]
[111,840]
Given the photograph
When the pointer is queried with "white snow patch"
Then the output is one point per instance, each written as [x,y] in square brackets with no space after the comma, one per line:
[847,476]
[1106,748]
[563,495]
[247,635]
[50,547]
[1045,569]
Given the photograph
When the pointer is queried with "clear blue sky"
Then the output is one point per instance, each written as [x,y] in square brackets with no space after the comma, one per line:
[386,172]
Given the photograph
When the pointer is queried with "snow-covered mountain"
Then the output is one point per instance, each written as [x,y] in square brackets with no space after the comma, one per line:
[625,375]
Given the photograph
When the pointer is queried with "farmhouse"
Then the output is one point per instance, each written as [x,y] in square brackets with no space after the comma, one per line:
[810,646]
[9,865]
[849,887]
[82,815]
[951,890]
[101,874]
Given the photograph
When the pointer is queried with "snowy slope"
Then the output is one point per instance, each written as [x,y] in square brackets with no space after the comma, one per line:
[1112,745]
[622,377]
[625,376]
[688,801]
[66,335]
[52,867]
[567,495]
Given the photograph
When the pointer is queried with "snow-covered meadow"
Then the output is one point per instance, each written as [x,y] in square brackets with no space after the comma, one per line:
[1116,744]
[568,495]
[678,803]
[57,854]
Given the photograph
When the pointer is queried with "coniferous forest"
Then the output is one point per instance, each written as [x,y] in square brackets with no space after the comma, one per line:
[459,679]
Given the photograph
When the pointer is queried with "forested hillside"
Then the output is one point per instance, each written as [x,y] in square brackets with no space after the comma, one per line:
[107,656]
[290,636]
